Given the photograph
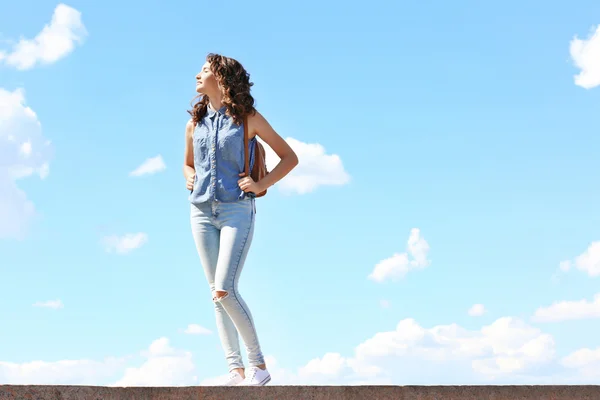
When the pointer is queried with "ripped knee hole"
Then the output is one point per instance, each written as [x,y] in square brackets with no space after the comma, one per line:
[220,295]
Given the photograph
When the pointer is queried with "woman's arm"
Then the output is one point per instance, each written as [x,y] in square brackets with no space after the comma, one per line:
[188,163]
[258,125]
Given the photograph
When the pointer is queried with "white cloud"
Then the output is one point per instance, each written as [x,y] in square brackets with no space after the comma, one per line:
[55,304]
[477,310]
[150,166]
[584,362]
[588,261]
[586,56]
[569,310]
[26,148]
[161,365]
[126,243]
[507,351]
[385,304]
[55,41]
[565,266]
[582,358]
[331,369]
[23,152]
[195,329]
[399,265]
[315,168]
[64,372]
[164,366]
[331,364]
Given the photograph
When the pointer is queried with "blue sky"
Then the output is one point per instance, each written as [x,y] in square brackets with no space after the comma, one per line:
[441,227]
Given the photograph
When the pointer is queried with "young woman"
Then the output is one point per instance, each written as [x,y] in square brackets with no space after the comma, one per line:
[223,200]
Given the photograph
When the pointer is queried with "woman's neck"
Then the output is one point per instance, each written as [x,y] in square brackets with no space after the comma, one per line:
[215,102]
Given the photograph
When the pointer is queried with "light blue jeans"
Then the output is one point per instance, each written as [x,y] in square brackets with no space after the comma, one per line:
[223,234]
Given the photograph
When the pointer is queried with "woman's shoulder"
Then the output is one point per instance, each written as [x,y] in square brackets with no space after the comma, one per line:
[192,129]
[189,127]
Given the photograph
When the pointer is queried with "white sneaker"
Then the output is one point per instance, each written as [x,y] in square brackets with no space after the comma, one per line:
[233,379]
[256,377]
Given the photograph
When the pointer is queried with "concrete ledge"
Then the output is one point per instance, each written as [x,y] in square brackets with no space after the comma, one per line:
[18,392]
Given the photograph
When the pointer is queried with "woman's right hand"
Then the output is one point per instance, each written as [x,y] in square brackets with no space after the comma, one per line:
[189,183]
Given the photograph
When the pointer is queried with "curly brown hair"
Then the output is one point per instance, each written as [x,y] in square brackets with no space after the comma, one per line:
[235,88]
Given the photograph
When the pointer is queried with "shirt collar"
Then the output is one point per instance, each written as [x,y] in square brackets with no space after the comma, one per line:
[210,112]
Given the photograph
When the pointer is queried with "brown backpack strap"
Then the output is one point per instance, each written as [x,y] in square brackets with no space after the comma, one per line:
[246,155]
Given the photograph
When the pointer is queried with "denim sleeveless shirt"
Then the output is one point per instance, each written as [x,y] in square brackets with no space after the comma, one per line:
[219,158]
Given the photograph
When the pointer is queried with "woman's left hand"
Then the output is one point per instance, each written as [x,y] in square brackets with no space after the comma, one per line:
[247,184]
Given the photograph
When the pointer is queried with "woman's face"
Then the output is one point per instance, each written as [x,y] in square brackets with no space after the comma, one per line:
[206,82]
